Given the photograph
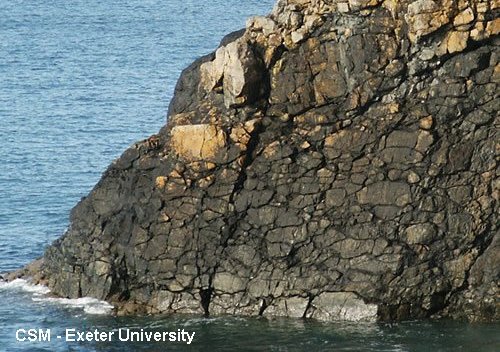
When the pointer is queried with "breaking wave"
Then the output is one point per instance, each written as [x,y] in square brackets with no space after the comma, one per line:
[40,294]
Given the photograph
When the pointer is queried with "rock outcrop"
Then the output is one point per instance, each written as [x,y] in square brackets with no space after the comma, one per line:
[338,159]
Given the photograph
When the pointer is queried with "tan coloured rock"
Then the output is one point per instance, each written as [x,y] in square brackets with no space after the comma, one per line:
[427,16]
[272,149]
[426,123]
[344,138]
[493,27]
[457,41]
[161,181]
[197,142]
[251,125]
[198,166]
[241,133]
[464,17]
[478,32]
[361,4]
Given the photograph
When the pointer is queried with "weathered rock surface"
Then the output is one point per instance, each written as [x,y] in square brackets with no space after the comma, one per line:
[335,160]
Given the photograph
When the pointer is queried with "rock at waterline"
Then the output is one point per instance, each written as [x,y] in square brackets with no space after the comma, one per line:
[336,160]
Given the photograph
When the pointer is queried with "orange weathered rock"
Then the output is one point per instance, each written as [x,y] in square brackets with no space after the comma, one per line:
[457,41]
[197,142]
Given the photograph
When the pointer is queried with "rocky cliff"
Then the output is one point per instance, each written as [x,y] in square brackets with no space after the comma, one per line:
[338,159]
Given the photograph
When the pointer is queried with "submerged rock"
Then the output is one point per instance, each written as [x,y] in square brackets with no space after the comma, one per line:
[335,160]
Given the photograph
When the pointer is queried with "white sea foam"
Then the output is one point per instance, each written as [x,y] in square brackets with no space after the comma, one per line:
[88,304]
[23,285]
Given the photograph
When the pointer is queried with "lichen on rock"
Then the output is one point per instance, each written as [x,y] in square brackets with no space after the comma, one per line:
[334,160]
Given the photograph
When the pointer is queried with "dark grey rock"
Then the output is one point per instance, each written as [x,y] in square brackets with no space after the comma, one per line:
[352,174]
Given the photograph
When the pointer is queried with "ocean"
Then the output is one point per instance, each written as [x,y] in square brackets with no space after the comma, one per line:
[79,82]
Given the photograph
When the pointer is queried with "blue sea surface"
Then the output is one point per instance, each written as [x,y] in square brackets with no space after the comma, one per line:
[79,82]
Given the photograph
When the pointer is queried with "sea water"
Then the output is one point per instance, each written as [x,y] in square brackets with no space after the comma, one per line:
[79,82]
